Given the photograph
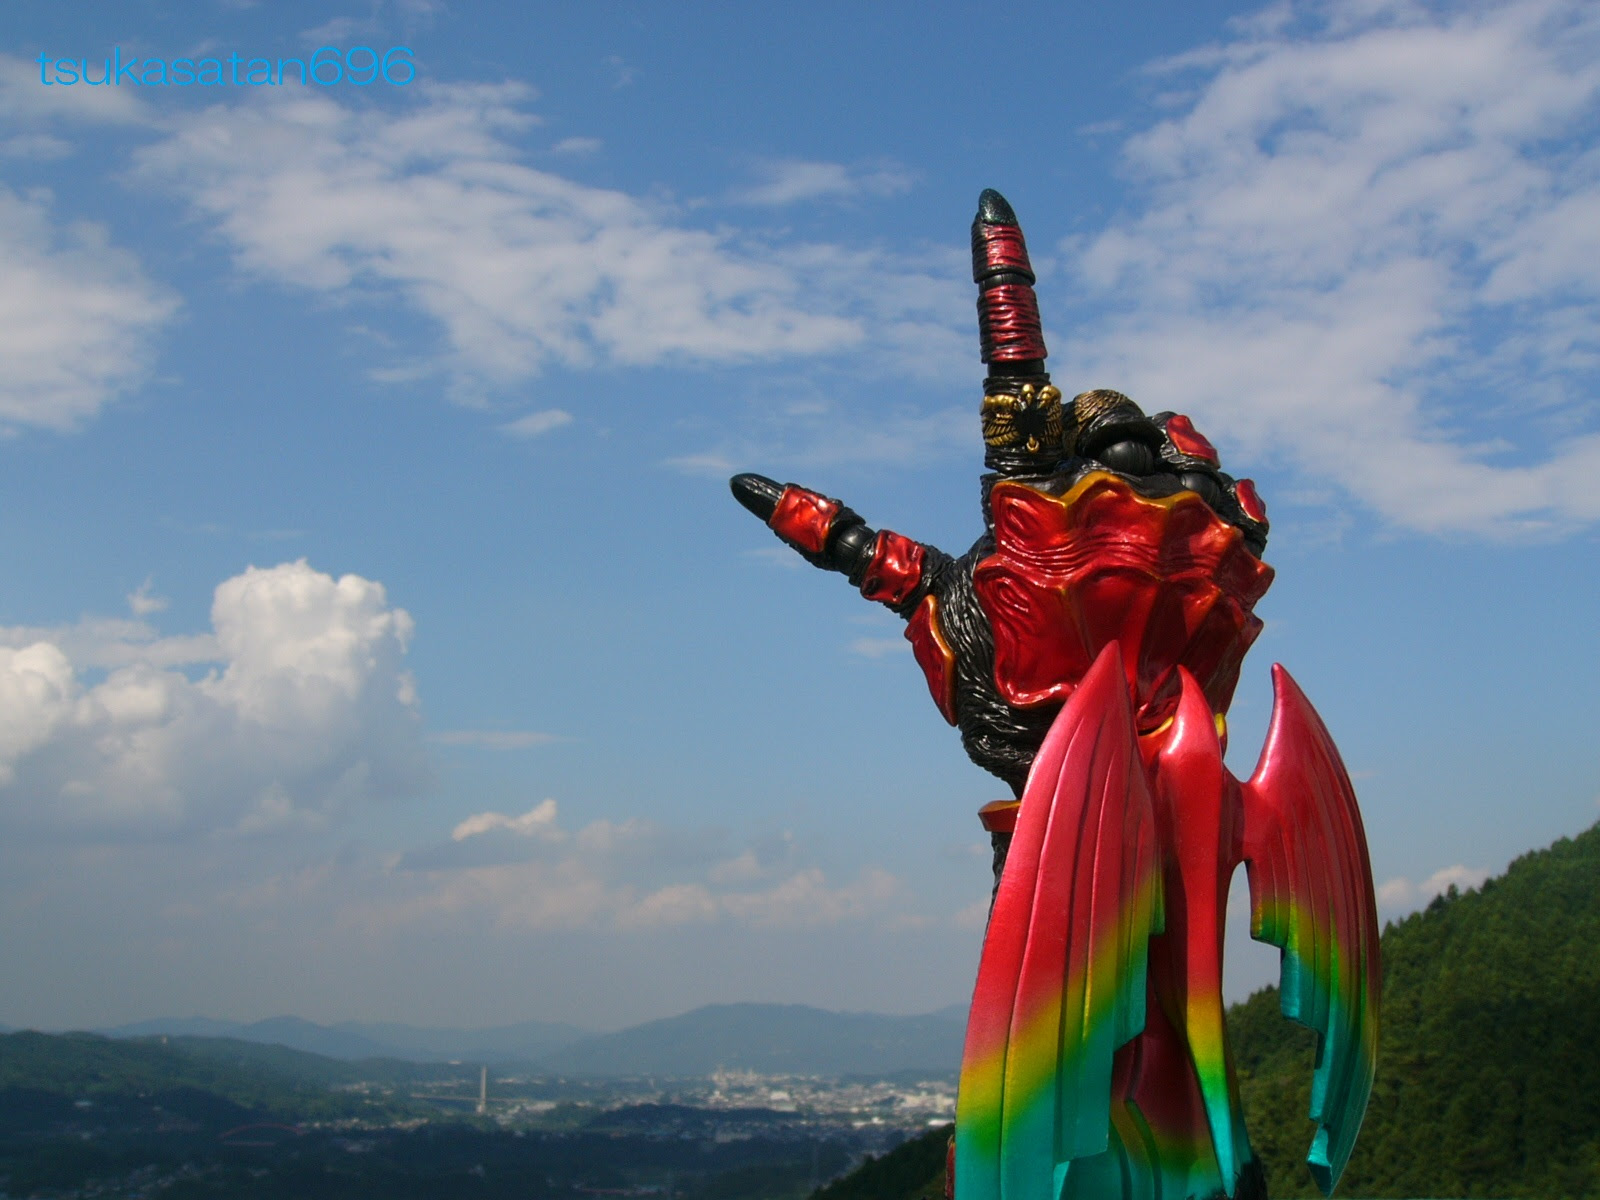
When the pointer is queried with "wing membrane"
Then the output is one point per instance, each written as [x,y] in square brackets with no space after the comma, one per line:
[1061,983]
[1311,896]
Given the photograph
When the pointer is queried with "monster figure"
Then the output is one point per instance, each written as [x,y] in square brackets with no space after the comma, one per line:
[1087,647]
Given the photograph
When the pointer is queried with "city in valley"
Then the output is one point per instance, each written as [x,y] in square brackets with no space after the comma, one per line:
[735,1103]
[200,1118]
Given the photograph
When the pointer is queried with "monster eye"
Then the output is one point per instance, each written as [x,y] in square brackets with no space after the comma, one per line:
[1209,489]
[1129,457]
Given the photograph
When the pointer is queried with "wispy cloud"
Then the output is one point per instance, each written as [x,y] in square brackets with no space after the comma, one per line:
[520,267]
[877,647]
[493,739]
[777,556]
[791,181]
[338,30]
[78,317]
[23,100]
[78,314]
[1364,241]
[537,423]
[35,146]
[430,203]
[831,436]
[622,74]
[528,872]
[540,820]
[576,145]
[143,601]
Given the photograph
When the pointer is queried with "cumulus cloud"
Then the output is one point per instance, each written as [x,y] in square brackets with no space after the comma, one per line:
[1400,895]
[305,706]
[1364,239]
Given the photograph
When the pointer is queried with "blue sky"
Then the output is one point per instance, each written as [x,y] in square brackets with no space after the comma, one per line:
[379,639]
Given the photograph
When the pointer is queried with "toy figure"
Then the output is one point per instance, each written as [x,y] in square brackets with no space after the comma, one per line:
[1087,647]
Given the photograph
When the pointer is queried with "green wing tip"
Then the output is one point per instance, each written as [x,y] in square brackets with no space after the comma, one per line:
[1324,1174]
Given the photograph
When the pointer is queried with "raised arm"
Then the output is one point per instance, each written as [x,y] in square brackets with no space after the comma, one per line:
[886,566]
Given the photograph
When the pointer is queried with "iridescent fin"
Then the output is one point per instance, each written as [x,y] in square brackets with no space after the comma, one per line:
[1311,894]
[1061,983]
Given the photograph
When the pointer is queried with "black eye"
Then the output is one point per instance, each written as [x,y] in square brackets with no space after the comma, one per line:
[1129,457]
[1197,481]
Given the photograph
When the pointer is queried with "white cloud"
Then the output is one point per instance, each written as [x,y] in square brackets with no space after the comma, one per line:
[77,317]
[307,707]
[338,30]
[24,99]
[1365,240]
[40,146]
[777,556]
[621,73]
[520,267]
[528,872]
[804,440]
[711,463]
[1399,896]
[675,904]
[791,181]
[538,821]
[741,868]
[98,643]
[871,647]
[537,423]
[974,918]
[142,602]
[807,898]
[429,202]
[576,145]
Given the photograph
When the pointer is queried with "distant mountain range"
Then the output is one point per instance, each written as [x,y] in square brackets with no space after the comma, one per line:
[774,1039]
[524,1042]
[769,1038]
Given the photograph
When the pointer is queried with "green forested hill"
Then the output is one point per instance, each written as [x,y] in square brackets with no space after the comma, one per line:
[239,1077]
[1489,1059]
[913,1170]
